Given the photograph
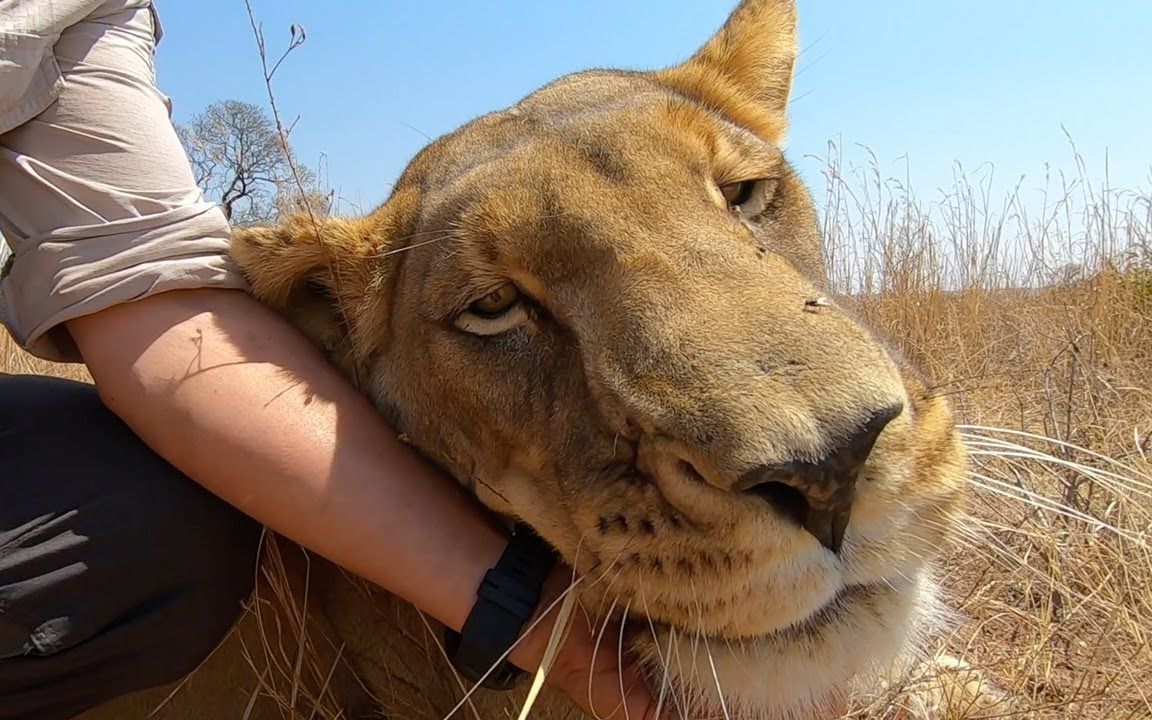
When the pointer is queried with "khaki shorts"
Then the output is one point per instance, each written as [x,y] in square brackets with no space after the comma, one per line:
[97,199]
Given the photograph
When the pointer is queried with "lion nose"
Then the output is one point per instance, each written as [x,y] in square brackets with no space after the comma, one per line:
[819,496]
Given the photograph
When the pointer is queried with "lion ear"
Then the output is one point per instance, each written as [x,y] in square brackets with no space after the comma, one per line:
[318,273]
[745,70]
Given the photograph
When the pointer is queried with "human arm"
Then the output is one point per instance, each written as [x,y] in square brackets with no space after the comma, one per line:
[237,399]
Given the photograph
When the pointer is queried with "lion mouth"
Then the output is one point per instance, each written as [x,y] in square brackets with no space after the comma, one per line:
[829,612]
[814,624]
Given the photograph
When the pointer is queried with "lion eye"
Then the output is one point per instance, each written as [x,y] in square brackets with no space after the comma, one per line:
[748,198]
[497,302]
[497,312]
[736,194]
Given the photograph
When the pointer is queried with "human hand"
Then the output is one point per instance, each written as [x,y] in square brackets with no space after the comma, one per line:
[604,683]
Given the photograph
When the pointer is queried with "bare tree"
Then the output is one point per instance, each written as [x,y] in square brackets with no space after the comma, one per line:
[238,160]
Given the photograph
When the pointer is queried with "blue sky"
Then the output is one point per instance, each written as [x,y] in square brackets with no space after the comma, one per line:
[923,83]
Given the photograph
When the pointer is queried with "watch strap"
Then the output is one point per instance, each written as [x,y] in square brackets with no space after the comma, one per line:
[506,599]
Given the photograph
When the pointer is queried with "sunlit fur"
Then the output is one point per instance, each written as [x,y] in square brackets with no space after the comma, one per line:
[662,330]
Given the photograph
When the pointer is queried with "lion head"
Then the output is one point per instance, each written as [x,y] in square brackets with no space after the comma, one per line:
[603,310]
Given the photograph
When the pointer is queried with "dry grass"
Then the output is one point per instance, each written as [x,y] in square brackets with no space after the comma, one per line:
[1035,316]
[16,361]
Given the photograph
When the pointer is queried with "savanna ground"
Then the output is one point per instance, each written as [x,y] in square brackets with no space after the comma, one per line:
[1033,313]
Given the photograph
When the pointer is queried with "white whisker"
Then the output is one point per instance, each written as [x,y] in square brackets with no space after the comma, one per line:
[620,659]
[716,679]
[595,651]
[1020,433]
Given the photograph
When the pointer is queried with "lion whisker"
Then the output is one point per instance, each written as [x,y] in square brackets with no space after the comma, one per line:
[1043,438]
[1038,501]
[1113,481]
[620,659]
[407,248]
[596,651]
[993,549]
[716,679]
[665,675]
[684,704]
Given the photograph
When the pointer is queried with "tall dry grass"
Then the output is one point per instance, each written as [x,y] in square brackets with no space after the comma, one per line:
[1033,313]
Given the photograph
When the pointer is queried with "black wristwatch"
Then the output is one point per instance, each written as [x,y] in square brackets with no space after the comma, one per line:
[505,600]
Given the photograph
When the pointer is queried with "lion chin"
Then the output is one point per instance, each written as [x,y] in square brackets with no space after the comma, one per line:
[806,670]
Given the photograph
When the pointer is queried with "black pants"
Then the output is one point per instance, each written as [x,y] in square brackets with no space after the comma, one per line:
[117,572]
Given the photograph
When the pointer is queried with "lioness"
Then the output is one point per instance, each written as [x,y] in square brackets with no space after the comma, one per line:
[604,311]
